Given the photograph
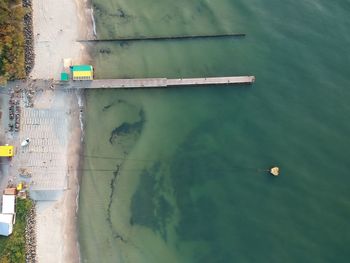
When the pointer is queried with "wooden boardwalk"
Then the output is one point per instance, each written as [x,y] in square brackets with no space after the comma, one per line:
[157,82]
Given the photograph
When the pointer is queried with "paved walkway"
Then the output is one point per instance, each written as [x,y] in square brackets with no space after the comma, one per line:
[43,158]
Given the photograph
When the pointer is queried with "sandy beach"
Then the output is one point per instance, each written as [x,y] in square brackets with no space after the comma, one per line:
[56,219]
[57,25]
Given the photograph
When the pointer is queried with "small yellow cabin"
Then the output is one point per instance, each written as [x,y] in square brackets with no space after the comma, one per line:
[6,151]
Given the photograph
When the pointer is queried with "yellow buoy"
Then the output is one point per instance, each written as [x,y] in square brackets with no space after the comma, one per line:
[275,171]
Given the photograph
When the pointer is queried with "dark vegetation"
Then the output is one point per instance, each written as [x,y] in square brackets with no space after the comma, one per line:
[12,63]
[149,206]
[128,128]
[12,248]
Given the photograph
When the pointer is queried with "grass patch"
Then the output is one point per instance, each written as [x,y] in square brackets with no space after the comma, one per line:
[12,248]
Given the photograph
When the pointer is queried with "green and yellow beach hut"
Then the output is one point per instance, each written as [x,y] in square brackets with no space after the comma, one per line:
[82,72]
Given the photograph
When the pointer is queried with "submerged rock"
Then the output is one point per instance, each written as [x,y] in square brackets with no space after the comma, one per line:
[275,171]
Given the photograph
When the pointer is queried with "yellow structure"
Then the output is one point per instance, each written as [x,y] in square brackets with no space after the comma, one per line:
[82,72]
[19,187]
[6,151]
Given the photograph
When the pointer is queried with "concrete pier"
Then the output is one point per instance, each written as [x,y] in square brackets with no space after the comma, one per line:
[157,82]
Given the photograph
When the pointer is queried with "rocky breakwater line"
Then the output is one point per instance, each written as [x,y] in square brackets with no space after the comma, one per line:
[28,36]
[30,237]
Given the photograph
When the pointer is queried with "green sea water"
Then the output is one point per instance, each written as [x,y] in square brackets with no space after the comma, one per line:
[178,175]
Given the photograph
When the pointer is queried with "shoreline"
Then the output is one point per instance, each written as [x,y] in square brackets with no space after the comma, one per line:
[71,248]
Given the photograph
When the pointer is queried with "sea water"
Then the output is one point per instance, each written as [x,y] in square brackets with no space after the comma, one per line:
[179,175]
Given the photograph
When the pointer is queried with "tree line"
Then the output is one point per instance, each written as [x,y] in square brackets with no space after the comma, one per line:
[12,65]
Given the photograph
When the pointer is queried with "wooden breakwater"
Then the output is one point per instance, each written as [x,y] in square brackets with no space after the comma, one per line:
[156,82]
[158,38]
